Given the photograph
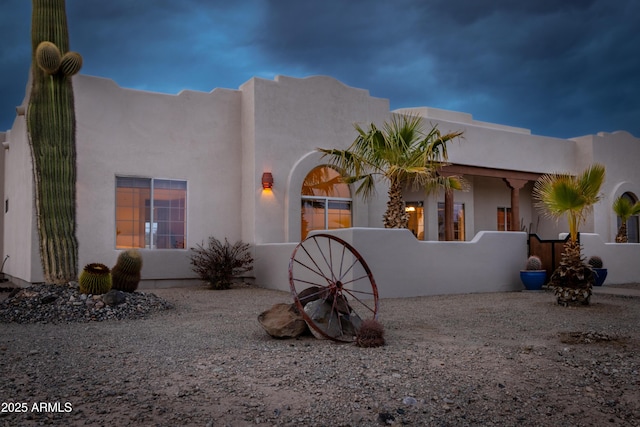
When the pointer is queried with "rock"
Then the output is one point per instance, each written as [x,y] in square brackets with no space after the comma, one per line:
[114,297]
[282,321]
[26,306]
[332,322]
[409,401]
[311,294]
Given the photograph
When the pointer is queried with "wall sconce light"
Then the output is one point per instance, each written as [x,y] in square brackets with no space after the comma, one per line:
[267,180]
[20,110]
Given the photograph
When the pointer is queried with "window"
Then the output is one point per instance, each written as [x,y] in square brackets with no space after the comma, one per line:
[633,232]
[326,201]
[415,211]
[458,221]
[504,219]
[150,213]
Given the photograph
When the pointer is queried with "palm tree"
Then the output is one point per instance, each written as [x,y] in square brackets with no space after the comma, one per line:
[402,154]
[625,210]
[560,194]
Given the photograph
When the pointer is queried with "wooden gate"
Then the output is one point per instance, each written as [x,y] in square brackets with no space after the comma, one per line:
[549,251]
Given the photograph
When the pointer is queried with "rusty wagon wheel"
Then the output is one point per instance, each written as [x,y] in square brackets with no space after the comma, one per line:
[332,287]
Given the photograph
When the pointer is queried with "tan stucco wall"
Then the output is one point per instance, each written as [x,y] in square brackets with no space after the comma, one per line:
[20,231]
[293,117]
[222,141]
[619,152]
[403,266]
[192,136]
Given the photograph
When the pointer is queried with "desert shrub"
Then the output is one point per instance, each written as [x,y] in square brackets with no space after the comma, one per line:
[218,263]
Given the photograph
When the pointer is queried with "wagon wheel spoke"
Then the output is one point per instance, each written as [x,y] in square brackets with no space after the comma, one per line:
[346,294]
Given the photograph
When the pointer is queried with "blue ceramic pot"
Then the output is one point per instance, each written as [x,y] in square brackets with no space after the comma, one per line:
[600,275]
[533,279]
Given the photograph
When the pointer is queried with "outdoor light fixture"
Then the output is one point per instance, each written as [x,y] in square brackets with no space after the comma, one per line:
[267,180]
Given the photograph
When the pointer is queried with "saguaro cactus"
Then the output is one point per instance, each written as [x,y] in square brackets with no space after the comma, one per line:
[51,127]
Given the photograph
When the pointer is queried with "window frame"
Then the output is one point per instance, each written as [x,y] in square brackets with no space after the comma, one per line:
[326,200]
[506,211]
[153,230]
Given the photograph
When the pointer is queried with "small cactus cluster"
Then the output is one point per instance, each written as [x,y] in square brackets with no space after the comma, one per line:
[126,272]
[595,262]
[95,279]
[370,334]
[533,263]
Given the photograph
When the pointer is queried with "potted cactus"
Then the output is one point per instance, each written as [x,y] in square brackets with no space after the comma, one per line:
[600,273]
[533,276]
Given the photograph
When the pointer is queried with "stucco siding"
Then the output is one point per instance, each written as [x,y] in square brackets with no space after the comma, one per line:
[193,137]
[293,117]
[20,231]
[403,266]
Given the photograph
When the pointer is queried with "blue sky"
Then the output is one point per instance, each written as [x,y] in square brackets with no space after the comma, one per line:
[560,68]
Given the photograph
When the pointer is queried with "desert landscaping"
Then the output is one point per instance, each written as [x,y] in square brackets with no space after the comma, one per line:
[199,357]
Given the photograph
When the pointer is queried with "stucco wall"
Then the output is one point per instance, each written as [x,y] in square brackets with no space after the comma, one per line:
[192,136]
[403,266]
[222,141]
[292,118]
[496,146]
[620,259]
[20,231]
[619,153]
[3,136]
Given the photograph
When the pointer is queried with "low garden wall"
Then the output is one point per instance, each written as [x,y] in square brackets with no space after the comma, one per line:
[622,260]
[403,266]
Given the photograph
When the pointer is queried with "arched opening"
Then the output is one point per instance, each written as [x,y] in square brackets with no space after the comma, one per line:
[633,235]
[325,200]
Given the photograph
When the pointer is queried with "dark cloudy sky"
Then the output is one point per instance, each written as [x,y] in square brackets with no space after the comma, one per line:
[558,67]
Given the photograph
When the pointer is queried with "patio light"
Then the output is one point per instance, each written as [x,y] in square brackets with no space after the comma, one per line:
[267,180]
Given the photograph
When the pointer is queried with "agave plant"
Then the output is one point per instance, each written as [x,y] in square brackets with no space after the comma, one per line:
[623,207]
[574,196]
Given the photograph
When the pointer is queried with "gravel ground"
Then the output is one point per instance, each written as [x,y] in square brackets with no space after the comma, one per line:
[502,359]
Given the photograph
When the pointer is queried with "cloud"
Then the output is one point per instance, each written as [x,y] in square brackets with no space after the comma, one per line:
[559,68]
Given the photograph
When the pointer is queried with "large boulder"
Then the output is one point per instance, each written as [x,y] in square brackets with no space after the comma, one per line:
[283,321]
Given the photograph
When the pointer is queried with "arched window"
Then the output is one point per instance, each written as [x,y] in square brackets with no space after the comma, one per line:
[632,223]
[326,201]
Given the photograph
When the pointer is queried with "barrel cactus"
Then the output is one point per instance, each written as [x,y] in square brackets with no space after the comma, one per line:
[95,279]
[51,127]
[126,272]
[595,261]
[533,263]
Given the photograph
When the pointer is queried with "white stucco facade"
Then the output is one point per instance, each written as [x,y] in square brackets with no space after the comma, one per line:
[221,142]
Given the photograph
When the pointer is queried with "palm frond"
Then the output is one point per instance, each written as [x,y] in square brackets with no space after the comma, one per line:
[623,208]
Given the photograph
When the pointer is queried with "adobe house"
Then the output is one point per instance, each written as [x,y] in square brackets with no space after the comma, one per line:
[164,172]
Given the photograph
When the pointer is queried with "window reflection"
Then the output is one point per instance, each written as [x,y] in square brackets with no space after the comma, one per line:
[326,201]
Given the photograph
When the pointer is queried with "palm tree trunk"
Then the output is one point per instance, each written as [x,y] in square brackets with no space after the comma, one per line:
[395,216]
[622,233]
